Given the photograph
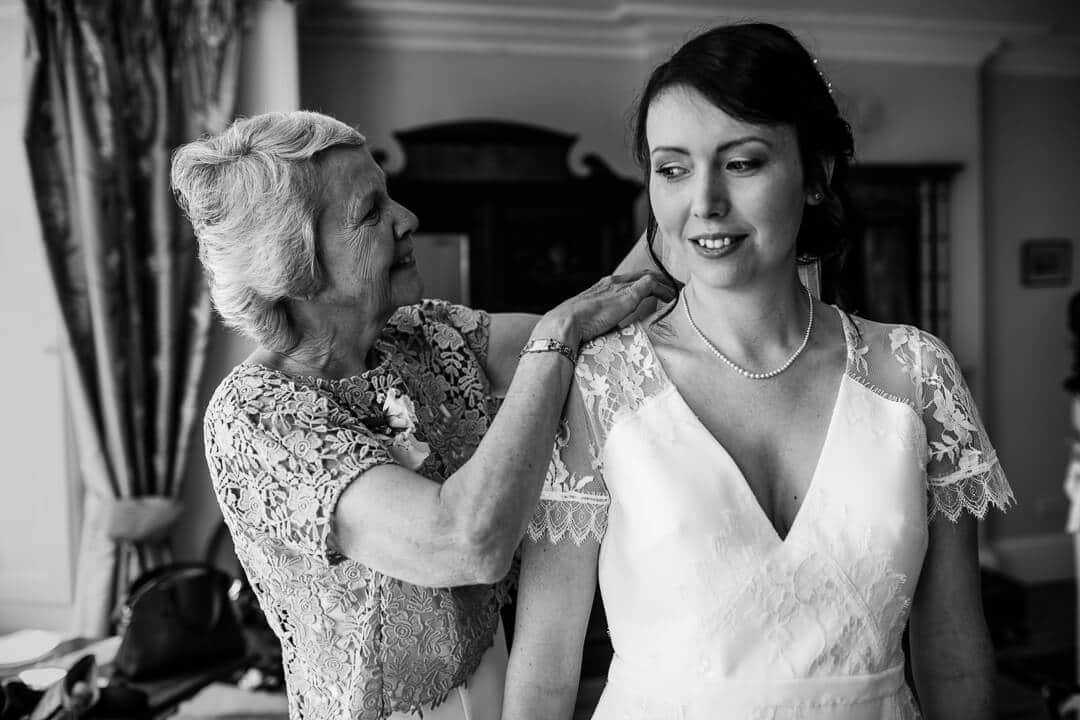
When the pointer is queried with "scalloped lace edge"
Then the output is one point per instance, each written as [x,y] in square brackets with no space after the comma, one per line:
[974,493]
[579,521]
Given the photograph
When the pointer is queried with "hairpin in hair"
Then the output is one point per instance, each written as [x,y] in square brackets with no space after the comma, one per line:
[828,85]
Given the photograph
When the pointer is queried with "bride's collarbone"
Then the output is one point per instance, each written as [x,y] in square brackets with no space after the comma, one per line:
[804,393]
[806,390]
[774,430]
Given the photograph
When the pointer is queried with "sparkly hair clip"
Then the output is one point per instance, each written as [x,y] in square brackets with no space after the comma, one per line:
[828,85]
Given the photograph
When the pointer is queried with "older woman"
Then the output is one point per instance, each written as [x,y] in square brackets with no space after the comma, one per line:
[374,499]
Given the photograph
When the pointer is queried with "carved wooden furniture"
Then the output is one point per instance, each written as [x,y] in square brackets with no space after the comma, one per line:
[538,231]
[897,267]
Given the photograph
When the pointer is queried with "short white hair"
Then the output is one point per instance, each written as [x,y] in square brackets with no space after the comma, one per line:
[252,195]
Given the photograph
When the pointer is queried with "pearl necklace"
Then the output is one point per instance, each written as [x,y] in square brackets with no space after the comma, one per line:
[743,371]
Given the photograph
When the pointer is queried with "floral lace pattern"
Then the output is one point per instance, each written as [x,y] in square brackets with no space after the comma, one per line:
[814,618]
[614,375]
[584,517]
[617,373]
[963,472]
[281,450]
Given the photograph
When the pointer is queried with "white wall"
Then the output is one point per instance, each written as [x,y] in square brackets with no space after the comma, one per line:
[384,90]
[37,500]
[1033,191]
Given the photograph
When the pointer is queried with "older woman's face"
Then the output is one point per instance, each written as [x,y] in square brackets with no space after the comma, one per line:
[365,238]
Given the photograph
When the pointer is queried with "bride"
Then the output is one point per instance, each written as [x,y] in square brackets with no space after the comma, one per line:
[766,488]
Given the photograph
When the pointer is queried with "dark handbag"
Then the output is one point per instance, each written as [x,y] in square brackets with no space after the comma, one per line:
[177,618]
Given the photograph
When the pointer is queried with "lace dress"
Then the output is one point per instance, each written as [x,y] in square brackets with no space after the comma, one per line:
[358,644]
[808,626]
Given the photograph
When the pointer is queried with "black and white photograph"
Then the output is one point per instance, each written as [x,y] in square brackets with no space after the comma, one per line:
[540,360]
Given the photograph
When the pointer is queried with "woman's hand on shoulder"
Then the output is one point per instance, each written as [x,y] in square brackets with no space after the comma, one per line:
[614,301]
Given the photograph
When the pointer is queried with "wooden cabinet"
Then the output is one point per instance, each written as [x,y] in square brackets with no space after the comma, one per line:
[896,268]
[538,232]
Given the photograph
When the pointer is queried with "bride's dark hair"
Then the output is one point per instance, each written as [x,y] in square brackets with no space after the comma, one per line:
[760,73]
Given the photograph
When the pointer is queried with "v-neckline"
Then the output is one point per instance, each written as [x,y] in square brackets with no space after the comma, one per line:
[742,483]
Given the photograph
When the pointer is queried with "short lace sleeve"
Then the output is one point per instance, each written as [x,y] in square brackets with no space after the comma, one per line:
[574,502]
[280,455]
[962,469]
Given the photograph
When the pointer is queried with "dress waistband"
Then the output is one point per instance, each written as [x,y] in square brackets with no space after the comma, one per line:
[695,690]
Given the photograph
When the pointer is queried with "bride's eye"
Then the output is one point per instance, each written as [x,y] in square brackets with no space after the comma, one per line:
[743,165]
[671,172]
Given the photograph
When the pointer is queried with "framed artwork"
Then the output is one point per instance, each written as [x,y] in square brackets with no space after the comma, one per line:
[443,262]
[1046,262]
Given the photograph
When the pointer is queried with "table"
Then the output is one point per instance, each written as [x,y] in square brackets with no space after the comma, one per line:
[164,695]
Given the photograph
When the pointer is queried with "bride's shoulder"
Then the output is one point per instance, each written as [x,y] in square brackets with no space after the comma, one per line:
[899,340]
[620,345]
[896,355]
[620,365]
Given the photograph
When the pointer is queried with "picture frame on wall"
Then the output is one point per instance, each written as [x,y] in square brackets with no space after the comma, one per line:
[1046,262]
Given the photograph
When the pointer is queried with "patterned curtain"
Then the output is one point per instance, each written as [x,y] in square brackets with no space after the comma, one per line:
[114,86]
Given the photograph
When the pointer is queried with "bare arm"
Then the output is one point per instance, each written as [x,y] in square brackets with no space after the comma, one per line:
[465,530]
[555,596]
[509,333]
[951,654]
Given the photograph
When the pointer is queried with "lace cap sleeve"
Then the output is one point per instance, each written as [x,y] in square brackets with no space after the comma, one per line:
[574,501]
[280,456]
[962,468]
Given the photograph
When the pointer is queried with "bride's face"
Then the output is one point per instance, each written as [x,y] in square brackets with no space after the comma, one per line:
[728,196]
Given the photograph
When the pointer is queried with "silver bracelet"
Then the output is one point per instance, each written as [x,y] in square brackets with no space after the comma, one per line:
[539,345]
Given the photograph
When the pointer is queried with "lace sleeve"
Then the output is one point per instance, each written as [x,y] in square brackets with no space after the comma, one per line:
[574,502]
[962,469]
[279,461]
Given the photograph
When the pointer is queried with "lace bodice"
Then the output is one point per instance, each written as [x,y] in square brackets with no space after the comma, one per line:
[281,450]
[797,617]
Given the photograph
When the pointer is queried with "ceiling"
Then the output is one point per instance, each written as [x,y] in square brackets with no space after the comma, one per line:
[1037,36]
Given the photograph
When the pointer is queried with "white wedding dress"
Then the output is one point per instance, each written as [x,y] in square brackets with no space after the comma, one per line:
[712,615]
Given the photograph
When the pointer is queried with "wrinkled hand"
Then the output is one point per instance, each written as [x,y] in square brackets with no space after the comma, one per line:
[614,301]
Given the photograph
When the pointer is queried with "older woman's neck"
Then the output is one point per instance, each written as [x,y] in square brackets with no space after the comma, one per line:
[335,342]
